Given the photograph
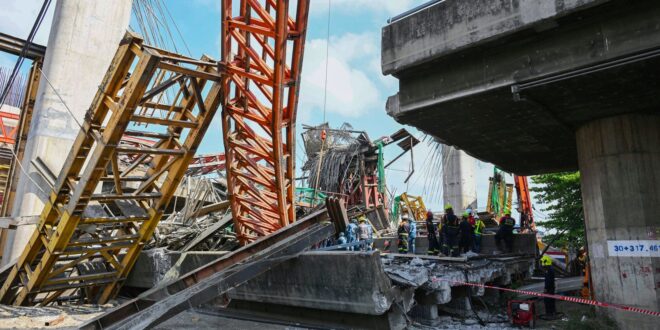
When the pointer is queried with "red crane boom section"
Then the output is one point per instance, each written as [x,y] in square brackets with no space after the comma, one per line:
[262,49]
[525,202]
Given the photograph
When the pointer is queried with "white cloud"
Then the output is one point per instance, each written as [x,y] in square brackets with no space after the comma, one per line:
[18,16]
[390,7]
[352,89]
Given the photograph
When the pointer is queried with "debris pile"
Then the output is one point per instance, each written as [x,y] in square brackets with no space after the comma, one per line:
[331,161]
[199,223]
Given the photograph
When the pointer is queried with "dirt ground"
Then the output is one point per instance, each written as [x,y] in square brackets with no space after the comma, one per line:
[575,316]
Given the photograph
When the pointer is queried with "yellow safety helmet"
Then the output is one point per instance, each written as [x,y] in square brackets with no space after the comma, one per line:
[448,206]
[546,260]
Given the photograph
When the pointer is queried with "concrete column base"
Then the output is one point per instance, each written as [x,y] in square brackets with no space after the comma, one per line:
[619,161]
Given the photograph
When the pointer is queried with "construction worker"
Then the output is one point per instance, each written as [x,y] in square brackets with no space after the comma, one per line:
[386,246]
[434,246]
[450,226]
[478,230]
[524,220]
[412,234]
[351,233]
[370,235]
[342,240]
[365,233]
[466,232]
[546,263]
[402,232]
[470,216]
[505,232]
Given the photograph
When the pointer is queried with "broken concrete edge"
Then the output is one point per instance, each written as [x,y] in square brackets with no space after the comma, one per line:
[436,279]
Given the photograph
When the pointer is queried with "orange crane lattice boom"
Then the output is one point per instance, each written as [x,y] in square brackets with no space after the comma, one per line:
[259,110]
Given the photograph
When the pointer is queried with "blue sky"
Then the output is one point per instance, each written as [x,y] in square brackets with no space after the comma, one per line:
[356,89]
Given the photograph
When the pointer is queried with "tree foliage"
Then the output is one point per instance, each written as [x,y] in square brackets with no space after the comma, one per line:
[561,193]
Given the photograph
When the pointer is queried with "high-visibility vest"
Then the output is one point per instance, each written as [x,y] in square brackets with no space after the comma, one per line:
[478,227]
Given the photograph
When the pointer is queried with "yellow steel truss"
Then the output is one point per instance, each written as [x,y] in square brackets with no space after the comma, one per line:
[414,206]
[98,217]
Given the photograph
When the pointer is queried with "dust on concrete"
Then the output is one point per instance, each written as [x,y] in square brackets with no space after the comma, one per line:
[14,317]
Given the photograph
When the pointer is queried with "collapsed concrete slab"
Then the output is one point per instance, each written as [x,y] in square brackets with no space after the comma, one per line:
[364,289]
[348,282]
[352,287]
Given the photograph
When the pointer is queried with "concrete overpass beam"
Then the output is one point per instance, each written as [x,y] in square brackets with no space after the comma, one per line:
[619,161]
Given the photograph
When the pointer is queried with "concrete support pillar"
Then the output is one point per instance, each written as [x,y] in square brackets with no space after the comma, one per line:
[83,39]
[458,177]
[619,161]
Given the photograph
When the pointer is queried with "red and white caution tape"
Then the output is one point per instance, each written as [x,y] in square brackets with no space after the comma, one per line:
[555,296]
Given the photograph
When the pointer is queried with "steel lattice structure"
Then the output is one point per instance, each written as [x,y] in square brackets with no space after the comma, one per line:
[90,235]
[262,48]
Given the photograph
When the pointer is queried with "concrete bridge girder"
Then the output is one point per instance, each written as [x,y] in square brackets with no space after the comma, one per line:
[568,69]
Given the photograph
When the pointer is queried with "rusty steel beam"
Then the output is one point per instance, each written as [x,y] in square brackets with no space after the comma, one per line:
[259,110]
[201,285]
[75,253]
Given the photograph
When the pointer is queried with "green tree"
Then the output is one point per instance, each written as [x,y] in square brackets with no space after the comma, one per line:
[561,193]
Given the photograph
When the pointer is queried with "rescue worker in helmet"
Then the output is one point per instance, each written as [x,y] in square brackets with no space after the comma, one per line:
[478,230]
[505,232]
[466,231]
[549,288]
[450,226]
[402,232]
[434,246]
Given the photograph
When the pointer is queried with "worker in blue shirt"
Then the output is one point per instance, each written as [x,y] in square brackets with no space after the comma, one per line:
[342,240]
[412,234]
[351,233]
